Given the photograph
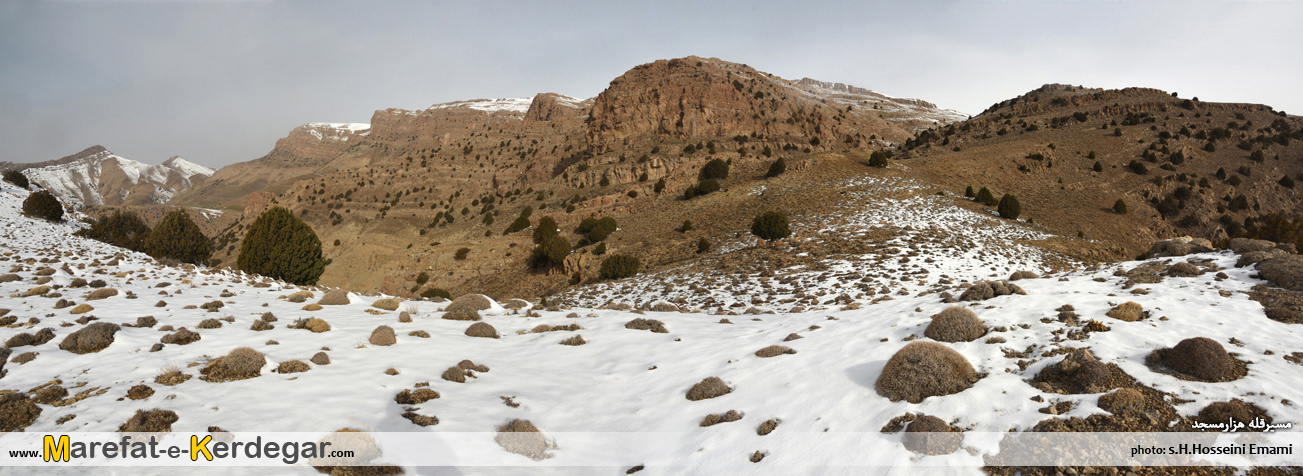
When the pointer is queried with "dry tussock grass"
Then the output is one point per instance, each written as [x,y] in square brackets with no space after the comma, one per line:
[239,364]
[924,369]
[92,338]
[709,387]
[149,421]
[774,351]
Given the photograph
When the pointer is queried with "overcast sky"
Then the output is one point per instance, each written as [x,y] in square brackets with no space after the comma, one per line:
[219,82]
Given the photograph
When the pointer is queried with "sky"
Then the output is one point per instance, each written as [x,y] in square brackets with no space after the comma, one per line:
[220,82]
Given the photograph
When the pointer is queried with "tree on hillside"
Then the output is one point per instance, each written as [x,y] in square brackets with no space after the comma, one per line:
[178,237]
[121,229]
[1120,207]
[716,169]
[770,226]
[43,205]
[1009,207]
[777,168]
[282,246]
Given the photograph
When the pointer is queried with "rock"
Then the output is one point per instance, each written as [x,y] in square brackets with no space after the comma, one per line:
[1284,271]
[1180,247]
[1247,245]
[382,336]
[1255,257]
[320,358]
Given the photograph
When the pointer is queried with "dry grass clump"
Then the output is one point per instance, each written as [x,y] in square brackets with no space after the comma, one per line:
[209,324]
[364,450]
[24,339]
[102,293]
[180,337]
[152,421]
[261,325]
[541,328]
[312,307]
[16,411]
[461,314]
[404,317]
[983,290]
[1017,275]
[717,418]
[955,324]
[140,392]
[1199,357]
[924,369]
[1080,372]
[454,374]
[757,456]
[930,435]
[421,334]
[320,358]
[1129,311]
[81,309]
[239,364]
[523,438]
[415,397]
[22,358]
[9,278]
[388,304]
[383,335]
[49,395]
[468,365]
[767,427]
[546,328]
[92,338]
[212,306]
[476,302]
[335,297]
[171,376]
[647,325]
[774,351]
[709,387]
[1238,410]
[576,340]
[292,366]
[145,321]
[37,291]
[312,324]
[791,337]
[1184,270]
[482,329]
[1124,401]
[419,419]
[301,296]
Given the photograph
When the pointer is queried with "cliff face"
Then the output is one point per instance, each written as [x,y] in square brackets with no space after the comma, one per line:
[96,176]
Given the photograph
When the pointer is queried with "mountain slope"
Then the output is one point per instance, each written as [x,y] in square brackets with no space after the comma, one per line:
[96,176]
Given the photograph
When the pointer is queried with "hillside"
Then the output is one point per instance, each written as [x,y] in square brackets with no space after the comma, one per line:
[96,176]
[631,390]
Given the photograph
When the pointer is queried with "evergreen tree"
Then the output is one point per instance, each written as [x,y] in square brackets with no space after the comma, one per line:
[1120,207]
[1009,206]
[17,178]
[985,197]
[716,169]
[619,267]
[43,205]
[777,168]
[121,229]
[178,237]
[280,245]
[770,226]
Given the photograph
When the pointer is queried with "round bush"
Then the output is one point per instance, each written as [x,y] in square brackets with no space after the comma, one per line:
[482,329]
[334,297]
[241,363]
[17,178]
[709,387]
[1009,207]
[1120,207]
[551,252]
[43,205]
[777,168]
[383,336]
[1238,410]
[152,421]
[177,237]
[619,267]
[924,369]
[930,435]
[770,226]
[716,169]
[476,302]
[92,338]
[1124,401]
[602,229]
[1202,358]
[121,229]
[280,245]
[955,324]
[1129,311]
[546,227]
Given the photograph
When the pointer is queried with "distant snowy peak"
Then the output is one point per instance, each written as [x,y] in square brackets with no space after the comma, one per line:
[97,176]
[337,131]
[892,108]
[513,106]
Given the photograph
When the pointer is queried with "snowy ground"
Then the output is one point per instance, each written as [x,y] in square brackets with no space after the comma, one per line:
[622,380]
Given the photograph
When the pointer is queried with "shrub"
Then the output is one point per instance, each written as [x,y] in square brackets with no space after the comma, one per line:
[520,223]
[177,237]
[716,169]
[709,387]
[415,397]
[1009,206]
[955,324]
[292,367]
[335,297]
[1129,311]
[1120,207]
[523,438]
[984,196]
[281,246]
[660,186]
[573,341]
[1117,132]
[703,245]
[239,364]
[552,251]
[968,192]
[546,227]
[774,351]
[717,418]
[1286,182]
[475,302]
[770,226]
[388,304]
[878,159]
[121,229]
[1124,401]
[482,329]
[602,229]
[924,369]
[17,178]
[1237,410]
[930,435]
[687,226]
[43,205]
[434,292]
[777,168]
[423,277]
[461,254]
[599,250]
[1202,358]
[1098,167]
[619,267]
[704,187]
[383,336]
[1138,167]
[92,338]
[152,421]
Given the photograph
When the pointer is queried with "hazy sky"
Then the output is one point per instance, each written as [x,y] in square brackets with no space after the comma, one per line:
[219,82]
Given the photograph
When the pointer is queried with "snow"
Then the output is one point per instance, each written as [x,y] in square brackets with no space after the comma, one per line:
[618,401]
[187,168]
[340,131]
[79,183]
[507,105]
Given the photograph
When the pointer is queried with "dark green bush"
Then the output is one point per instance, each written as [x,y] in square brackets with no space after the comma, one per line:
[878,159]
[1138,167]
[602,229]
[1286,182]
[178,237]
[984,196]
[777,168]
[704,187]
[433,292]
[17,178]
[520,223]
[280,245]
[461,254]
[770,226]
[121,229]
[600,249]
[703,245]
[43,205]
[716,169]
[1120,207]
[968,192]
[1098,167]
[546,226]
[422,278]
[619,267]
[552,251]
[660,186]
[1009,206]
[687,226]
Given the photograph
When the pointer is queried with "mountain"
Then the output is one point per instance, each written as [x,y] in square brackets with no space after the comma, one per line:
[96,176]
